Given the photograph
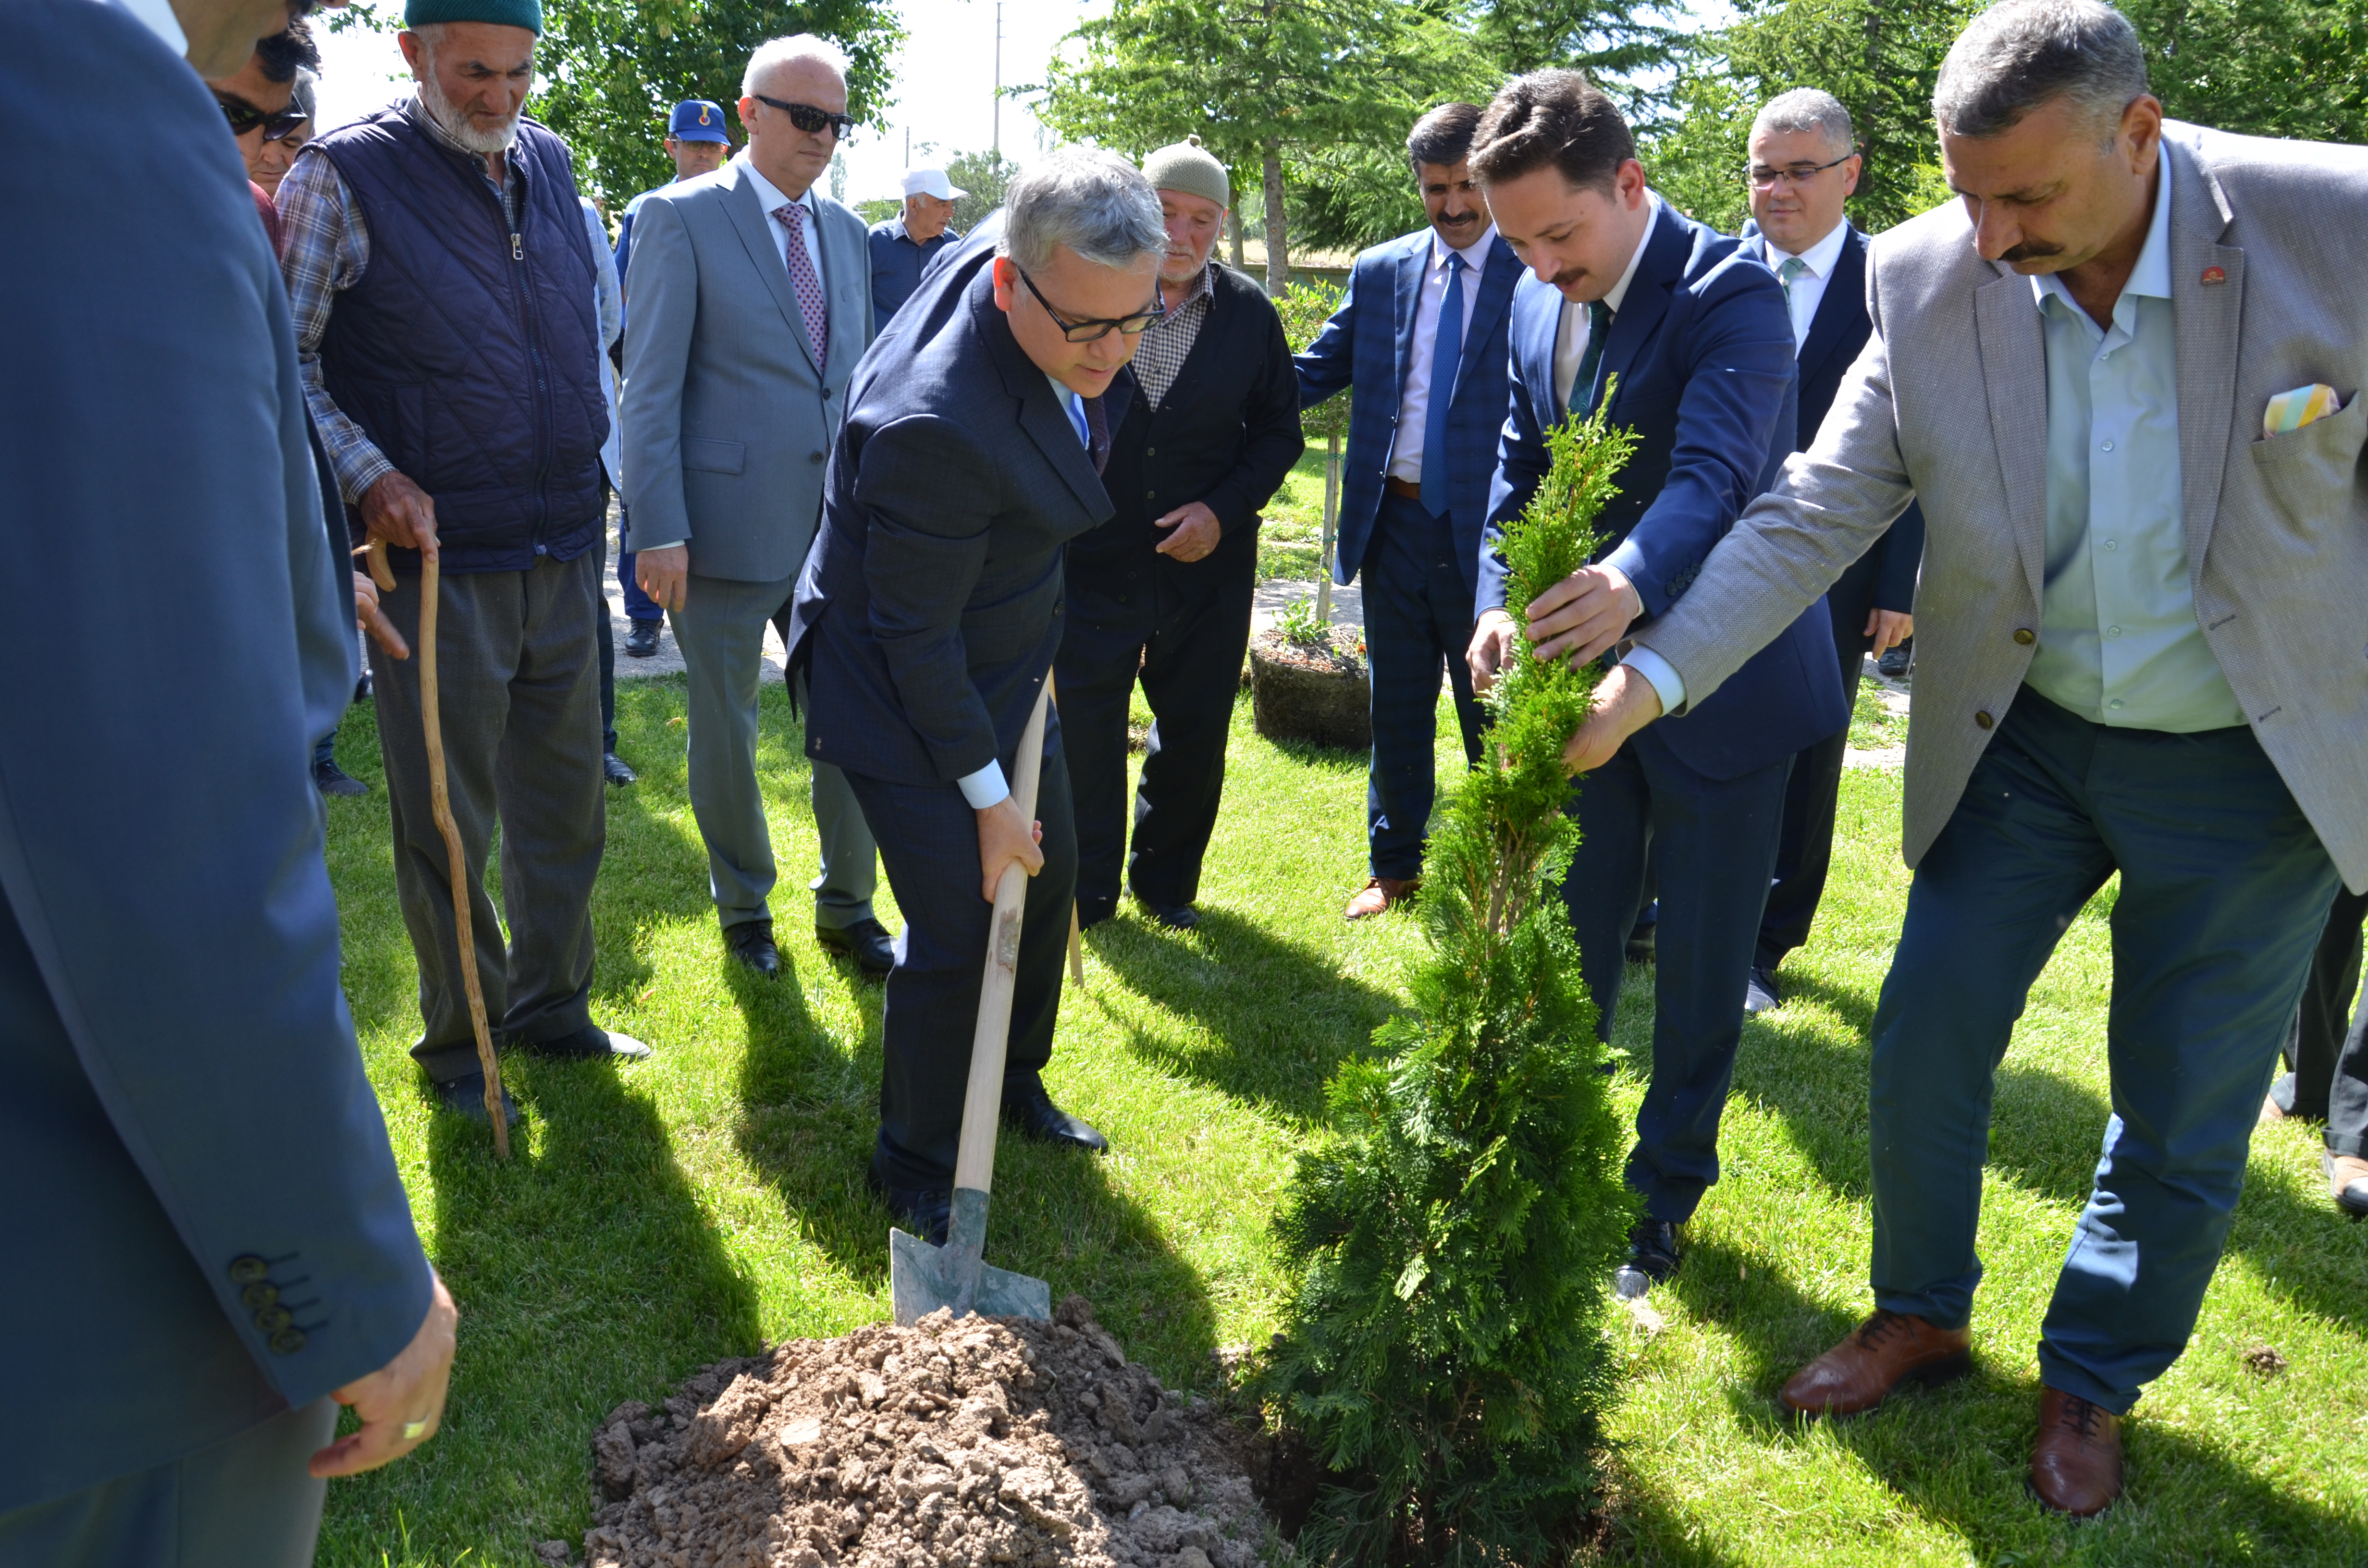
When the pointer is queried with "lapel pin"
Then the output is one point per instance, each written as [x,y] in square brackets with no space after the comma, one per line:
[2213,274]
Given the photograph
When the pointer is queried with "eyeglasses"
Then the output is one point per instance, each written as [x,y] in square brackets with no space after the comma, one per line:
[808,119]
[1762,177]
[1097,327]
[244,118]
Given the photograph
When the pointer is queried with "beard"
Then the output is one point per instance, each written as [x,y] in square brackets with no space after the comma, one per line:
[456,124]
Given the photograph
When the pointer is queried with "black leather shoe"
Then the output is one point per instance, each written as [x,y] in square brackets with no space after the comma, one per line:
[1175,916]
[1898,662]
[331,779]
[866,941]
[1653,1257]
[465,1096]
[1037,1118]
[751,942]
[362,687]
[585,1044]
[1643,943]
[643,639]
[617,770]
[1760,993]
[1093,909]
[924,1211]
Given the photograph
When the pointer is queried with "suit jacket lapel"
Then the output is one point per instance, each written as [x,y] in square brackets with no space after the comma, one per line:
[755,226]
[2206,318]
[1840,308]
[1407,296]
[1647,301]
[1040,415]
[2014,369]
[843,263]
[1537,318]
[1491,294]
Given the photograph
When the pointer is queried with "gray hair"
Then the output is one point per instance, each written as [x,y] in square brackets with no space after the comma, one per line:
[783,51]
[2022,53]
[1094,202]
[1807,108]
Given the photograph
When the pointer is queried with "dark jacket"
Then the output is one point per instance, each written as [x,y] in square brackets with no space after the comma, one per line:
[166,1118]
[1367,345]
[470,354]
[1225,435]
[1702,350]
[1884,577]
[929,609]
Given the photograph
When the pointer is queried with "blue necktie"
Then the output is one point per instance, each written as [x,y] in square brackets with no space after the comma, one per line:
[1446,353]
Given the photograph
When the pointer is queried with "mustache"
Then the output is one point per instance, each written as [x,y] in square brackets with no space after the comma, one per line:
[1455,218]
[2032,250]
[1568,276]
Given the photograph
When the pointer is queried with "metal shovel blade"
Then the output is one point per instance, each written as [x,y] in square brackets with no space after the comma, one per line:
[922,1277]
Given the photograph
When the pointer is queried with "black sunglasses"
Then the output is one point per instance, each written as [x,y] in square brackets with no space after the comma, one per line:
[807,117]
[1087,331]
[244,118]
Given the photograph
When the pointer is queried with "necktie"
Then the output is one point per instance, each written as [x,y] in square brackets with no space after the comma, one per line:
[813,311]
[1794,266]
[1098,439]
[1599,327]
[1446,354]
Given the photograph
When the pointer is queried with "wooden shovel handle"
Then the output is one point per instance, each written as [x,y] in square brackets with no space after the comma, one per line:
[982,1103]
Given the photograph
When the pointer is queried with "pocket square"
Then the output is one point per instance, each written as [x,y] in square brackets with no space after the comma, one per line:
[2290,411]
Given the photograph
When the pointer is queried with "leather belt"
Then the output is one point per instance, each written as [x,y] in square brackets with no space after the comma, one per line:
[1405,487]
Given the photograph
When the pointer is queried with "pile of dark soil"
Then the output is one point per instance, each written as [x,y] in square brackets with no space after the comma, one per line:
[946,1445]
[1310,691]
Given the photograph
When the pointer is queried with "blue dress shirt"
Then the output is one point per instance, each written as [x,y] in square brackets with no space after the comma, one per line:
[897,262]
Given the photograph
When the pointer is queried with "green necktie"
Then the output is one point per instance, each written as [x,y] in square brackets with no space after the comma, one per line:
[1582,386]
[1794,266]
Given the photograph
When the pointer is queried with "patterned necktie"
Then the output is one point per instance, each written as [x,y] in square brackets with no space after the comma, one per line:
[1794,266]
[1599,327]
[1097,437]
[1446,355]
[813,311]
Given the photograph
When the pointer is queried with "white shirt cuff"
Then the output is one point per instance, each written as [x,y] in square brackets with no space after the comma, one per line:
[1661,672]
[986,787]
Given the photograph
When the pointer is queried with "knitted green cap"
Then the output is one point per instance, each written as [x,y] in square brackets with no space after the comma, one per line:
[527,14]
[1186,168]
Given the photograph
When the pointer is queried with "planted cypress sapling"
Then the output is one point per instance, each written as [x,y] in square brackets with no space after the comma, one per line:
[1443,1348]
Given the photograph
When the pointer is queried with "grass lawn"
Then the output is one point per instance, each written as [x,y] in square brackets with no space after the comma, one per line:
[660,1215]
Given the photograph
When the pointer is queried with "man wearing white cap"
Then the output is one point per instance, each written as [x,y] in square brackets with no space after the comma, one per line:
[902,246]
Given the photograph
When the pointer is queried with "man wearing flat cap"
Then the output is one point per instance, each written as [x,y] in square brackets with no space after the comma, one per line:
[1164,586]
[903,245]
[443,285]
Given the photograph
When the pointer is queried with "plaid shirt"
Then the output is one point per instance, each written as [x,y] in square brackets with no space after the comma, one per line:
[327,252]
[1168,342]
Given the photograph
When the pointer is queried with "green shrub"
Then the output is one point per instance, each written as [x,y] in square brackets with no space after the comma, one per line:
[1305,308]
[1449,1249]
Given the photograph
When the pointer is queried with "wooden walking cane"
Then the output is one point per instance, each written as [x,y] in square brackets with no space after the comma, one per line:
[431,718]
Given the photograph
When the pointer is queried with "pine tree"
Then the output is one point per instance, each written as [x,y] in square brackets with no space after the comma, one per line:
[1443,1348]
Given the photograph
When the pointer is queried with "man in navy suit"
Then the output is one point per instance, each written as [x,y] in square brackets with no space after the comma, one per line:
[1692,341]
[1420,339]
[210,1247]
[928,615]
[1803,167]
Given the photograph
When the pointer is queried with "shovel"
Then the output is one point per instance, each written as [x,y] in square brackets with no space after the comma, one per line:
[922,1277]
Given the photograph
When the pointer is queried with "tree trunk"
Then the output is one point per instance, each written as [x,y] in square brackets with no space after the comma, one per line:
[1239,265]
[1278,250]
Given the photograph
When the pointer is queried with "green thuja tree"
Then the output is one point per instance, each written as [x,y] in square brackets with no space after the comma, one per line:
[1443,1350]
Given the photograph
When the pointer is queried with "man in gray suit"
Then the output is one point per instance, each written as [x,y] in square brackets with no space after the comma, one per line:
[2139,652]
[209,1247]
[752,303]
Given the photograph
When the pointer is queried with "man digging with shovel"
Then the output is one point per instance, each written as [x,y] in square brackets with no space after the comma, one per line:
[927,620]
[442,286]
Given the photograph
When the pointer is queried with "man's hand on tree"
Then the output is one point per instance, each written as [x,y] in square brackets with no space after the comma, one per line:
[1625,703]
[402,1401]
[372,619]
[664,575]
[1492,644]
[401,513]
[1584,614]
[1197,531]
[1004,836]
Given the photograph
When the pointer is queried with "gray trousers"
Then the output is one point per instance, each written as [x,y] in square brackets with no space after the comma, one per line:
[518,674]
[244,1503]
[721,629]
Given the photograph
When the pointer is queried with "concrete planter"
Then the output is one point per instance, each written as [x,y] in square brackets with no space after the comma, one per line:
[1310,692]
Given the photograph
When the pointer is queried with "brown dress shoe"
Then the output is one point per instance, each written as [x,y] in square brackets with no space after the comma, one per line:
[1885,1351]
[1381,894]
[2076,1467]
[2347,1181]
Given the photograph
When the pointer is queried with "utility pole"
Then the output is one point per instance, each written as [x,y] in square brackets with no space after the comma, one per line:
[998,81]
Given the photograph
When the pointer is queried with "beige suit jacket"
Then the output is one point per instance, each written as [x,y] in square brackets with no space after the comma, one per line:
[1948,403]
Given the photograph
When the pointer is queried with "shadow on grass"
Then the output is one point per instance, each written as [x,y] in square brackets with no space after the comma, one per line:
[1959,1454]
[1273,1019]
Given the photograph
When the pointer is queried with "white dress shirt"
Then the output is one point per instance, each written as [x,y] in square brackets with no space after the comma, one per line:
[1570,331]
[1413,398]
[768,196]
[1809,283]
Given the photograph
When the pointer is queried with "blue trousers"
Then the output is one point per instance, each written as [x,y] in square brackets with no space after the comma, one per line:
[1711,846]
[1417,614]
[2225,887]
[639,606]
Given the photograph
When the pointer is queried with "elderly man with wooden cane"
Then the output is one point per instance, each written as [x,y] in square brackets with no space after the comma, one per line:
[466,433]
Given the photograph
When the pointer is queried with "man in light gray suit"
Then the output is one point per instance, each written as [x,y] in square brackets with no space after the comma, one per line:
[752,303]
[2138,651]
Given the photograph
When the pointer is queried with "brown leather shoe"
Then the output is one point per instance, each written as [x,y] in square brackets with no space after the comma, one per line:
[2347,1181]
[1381,894]
[2076,1467]
[1885,1351]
